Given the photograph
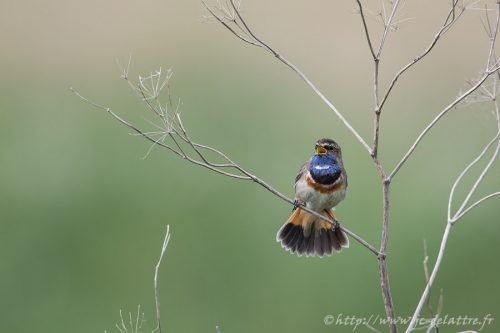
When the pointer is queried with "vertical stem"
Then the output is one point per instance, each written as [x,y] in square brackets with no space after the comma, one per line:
[375,83]
[382,258]
[376,135]
[382,262]
[376,121]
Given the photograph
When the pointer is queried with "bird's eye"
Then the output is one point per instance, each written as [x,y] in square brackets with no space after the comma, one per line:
[329,147]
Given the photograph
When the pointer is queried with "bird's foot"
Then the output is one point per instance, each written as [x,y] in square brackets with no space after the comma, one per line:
[336,225]
[296,204]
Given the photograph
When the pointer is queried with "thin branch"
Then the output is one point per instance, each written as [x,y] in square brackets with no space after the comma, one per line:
[124,122]
[376,119]
[425,265]
[493,37]
[131,328]
[122,323]
[477,203]
[462,174]
[451,18]
[492,68]
[161,144]
[438,117]
[227,26]
[157,289]
[260,43]
[432,277]
[325,100]
[367,34]
[138,323]
[388,25]
[483,174]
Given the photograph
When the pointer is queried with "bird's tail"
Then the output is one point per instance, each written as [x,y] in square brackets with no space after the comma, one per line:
[306,234]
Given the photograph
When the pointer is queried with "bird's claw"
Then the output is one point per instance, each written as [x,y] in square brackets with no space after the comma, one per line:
[296,204]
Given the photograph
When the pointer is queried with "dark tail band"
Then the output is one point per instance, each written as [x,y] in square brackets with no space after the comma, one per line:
[304,234]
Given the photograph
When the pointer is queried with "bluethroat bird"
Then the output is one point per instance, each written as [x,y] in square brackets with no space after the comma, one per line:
[320,185]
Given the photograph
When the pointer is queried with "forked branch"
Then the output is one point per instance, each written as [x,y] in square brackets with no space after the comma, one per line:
[454,14]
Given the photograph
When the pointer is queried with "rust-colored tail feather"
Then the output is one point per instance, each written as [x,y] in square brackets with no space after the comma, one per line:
[305,234]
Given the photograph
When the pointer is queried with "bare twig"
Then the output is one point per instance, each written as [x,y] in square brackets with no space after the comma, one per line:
[438,117]
[131,327]
[462,174]
[450,20]
[260,43]
[157,289]
[388,25]
[433,324]
[489,196]
[367,33]
[425,264]
[492,34]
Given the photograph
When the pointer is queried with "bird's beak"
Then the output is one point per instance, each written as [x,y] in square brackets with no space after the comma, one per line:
[320,150]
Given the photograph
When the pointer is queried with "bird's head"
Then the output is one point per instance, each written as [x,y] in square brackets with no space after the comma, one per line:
[327,146]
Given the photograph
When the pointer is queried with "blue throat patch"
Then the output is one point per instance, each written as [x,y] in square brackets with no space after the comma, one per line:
[324,169]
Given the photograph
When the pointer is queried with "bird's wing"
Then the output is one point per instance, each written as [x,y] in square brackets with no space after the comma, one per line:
[302,171]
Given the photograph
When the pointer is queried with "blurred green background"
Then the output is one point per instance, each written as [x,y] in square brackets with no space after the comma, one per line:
[82,216]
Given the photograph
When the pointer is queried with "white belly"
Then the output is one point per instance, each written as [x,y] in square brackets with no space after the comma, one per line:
[316,200]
